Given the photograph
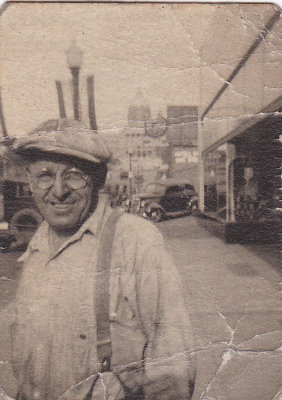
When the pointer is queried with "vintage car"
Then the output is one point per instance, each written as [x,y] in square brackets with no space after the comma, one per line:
[165,199]
[20,215]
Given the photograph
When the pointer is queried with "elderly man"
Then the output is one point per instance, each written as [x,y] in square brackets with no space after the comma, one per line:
[101,312]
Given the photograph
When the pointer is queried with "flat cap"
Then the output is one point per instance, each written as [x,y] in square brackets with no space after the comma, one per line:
[67,137]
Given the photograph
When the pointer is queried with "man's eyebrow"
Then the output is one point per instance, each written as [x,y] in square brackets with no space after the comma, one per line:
[42,170]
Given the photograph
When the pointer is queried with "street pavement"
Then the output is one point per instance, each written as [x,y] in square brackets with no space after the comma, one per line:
[232,295]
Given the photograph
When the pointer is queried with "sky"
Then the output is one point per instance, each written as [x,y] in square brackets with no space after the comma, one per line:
[159,49]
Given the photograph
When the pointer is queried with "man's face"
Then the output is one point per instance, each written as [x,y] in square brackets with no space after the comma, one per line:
[63,193]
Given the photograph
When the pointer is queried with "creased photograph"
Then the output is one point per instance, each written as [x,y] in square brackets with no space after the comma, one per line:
[140,201]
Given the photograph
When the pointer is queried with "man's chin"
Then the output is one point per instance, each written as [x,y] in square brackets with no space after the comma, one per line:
[64,225]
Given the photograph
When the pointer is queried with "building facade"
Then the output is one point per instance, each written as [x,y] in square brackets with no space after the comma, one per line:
[148,150]
[239,176]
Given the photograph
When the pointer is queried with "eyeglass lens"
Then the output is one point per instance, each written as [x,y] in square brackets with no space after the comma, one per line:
[73,179]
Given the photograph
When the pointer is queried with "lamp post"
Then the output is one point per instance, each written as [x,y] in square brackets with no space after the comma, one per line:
[74,59]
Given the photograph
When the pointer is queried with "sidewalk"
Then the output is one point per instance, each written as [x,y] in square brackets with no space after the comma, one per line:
[233,297]
[270,252]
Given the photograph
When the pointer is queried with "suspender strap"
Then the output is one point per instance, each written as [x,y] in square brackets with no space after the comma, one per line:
[102,292]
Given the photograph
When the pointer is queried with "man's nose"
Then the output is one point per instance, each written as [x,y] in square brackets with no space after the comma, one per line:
[60,189]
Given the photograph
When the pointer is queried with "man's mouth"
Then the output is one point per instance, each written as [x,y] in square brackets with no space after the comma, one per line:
[61,206]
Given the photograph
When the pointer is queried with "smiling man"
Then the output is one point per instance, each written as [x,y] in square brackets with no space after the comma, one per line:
[65,191]
[101,312]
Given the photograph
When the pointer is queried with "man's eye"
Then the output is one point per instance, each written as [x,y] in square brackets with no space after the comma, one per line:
[45,176]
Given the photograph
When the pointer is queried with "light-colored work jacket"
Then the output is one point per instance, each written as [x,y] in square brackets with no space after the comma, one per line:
[54,339]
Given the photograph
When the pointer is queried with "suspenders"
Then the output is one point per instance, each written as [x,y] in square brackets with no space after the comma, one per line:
[102,308]
[102,298]
[102,293]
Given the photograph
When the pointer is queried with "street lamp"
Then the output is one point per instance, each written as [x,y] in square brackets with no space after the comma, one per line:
[74,59]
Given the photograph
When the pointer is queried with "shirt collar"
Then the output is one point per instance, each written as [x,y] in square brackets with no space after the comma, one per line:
[40,241]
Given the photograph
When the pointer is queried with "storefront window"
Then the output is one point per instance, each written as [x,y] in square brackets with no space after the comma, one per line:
[215,182]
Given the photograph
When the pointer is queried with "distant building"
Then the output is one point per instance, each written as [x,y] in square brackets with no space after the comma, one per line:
[152,149]
[138,113]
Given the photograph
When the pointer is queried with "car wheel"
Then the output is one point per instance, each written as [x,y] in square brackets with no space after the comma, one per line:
[24,223]
[26,219]
[156,215]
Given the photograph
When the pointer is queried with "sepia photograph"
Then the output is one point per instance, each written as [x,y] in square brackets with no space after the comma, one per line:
[140,200]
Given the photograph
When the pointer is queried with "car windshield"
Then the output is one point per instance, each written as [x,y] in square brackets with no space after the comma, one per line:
[155,188]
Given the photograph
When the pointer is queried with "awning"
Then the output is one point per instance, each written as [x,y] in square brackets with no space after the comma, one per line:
[271,110]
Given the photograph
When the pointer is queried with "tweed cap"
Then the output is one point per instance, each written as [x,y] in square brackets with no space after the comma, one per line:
[66,137]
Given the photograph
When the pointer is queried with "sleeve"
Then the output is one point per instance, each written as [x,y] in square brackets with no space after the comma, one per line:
[169,368]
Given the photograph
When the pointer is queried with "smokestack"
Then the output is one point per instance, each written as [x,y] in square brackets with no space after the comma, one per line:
[91,103]
[61,101]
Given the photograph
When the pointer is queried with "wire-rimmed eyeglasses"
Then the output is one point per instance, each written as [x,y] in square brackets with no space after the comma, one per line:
[72,177]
